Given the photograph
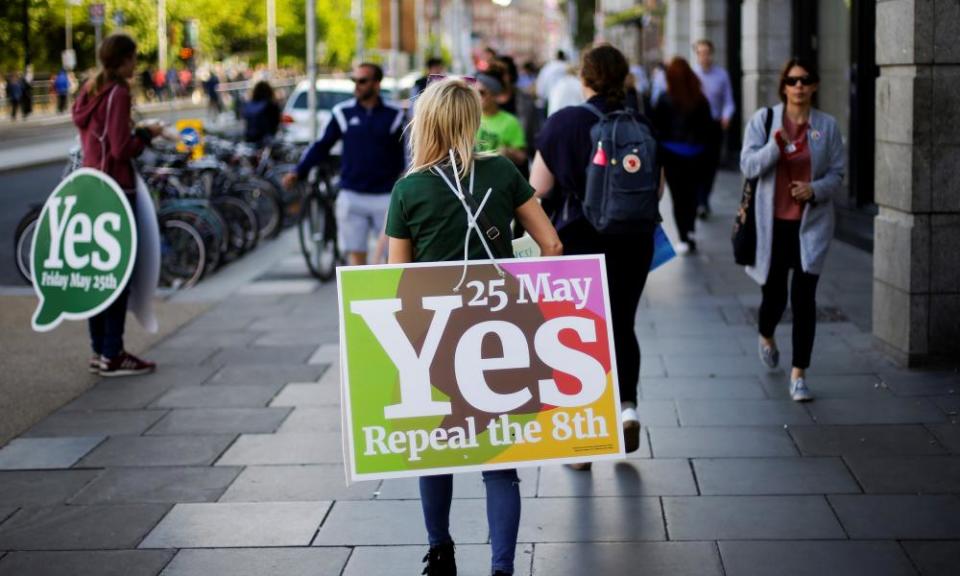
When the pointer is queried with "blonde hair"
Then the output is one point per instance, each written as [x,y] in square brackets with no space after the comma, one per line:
[446,117]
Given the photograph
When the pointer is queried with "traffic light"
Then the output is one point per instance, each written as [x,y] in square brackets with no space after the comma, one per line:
[186,53]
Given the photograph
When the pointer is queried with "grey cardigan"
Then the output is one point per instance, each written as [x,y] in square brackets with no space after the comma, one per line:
[759,157]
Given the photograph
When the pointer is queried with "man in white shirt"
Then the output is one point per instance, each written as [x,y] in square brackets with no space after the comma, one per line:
[549,74]
[719,92]
[566,91]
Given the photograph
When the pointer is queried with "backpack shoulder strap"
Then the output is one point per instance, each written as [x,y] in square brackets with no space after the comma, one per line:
[768,122]
[102,138]
[596,111]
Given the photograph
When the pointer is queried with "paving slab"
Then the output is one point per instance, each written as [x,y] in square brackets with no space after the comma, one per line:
[263,355]
[899,517]
[876,411]
[949,404]
[117,527]
[646,558]
[217,396]
[307,394]
[326,354]
[712,366]
[210,339]
[296,484]
[313,337]
[742,413]
[657,477]
[701,389]
[271,449]
[238,525]
[95,423]
[137,392]
[864,440]
[617,519]
[907,474]
[220,421]
[815,559]
[934,558]
[311,419]
[751,517]
[46,453]
[773,476]
[472,560]
[6,513]
[720,442]
[219,323]
[922,382]
[697,346]
[259,562]
[657,413]
[464,486]
[266,375]
[397,522]
[181,356]
[948,435]
[86,563]
[42,488]
[140,451]
[157,485]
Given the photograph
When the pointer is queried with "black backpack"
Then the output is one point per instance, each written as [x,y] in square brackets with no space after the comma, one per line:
[623,176]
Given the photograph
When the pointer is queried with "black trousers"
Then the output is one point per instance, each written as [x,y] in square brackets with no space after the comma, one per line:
[628,259]
[711,164]
[803,292]
[107,327]
[685,176]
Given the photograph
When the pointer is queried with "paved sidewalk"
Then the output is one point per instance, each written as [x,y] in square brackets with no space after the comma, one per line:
[228,460]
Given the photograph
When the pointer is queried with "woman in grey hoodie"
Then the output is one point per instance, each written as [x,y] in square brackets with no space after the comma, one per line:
[800,166]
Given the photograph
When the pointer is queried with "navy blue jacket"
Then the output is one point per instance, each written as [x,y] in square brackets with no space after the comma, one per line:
[373,153]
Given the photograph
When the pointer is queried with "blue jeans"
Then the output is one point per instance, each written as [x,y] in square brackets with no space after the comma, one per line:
[503,512]
[106,328]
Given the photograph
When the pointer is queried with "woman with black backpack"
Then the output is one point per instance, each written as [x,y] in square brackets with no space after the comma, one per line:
[565,152]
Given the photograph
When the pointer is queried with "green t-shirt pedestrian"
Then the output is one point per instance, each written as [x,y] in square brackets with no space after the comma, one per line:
[500,131]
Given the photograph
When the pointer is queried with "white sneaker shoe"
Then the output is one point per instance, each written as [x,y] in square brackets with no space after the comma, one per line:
[799,391]
[769,355]
[682,248]
[631,429]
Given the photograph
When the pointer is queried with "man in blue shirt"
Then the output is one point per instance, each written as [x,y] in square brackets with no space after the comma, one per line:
[371,162]
[717,88]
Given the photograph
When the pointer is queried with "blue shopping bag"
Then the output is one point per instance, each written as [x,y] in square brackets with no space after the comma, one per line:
[663,250]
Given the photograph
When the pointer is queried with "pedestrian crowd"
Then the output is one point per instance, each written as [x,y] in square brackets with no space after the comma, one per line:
[536,149]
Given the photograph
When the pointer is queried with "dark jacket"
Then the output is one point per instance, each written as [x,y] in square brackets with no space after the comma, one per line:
[120,146]
[676,128]
[262,120]
[373,154]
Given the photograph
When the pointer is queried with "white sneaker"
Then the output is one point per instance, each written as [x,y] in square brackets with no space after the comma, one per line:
[631,429]
[682,248]
[769,355]
[799,391]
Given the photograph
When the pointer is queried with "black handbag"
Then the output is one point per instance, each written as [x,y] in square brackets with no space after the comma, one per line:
[744,236]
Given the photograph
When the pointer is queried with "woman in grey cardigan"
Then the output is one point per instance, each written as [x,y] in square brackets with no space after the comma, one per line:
[800,168]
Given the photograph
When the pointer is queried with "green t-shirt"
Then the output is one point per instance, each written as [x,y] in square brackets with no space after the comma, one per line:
[502,130]
[424,210]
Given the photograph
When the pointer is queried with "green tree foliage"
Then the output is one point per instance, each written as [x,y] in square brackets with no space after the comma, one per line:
[227,28]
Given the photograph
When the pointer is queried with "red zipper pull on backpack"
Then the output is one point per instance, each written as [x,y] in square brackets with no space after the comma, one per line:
[600,158]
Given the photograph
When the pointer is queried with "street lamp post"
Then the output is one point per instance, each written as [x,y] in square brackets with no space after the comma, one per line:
[272,35]
[357,10]
[162,34]
[312,65]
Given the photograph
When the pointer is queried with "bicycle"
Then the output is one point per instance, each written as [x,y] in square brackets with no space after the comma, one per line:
[317,225]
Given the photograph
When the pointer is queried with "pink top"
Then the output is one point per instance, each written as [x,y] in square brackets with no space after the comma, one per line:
[793,166]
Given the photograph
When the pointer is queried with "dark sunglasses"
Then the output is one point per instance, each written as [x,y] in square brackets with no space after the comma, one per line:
[794,80]
[360,81]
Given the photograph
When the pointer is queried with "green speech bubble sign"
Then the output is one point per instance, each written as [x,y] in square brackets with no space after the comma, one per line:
[83,249]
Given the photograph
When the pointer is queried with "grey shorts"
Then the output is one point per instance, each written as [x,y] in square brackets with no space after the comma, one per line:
[359,216]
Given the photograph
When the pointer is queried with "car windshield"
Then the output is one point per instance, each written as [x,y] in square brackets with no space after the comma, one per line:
[327,100]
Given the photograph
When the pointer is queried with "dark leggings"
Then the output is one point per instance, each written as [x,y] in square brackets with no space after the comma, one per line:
[106,328]
[628,259]
[803,292]
[685,177]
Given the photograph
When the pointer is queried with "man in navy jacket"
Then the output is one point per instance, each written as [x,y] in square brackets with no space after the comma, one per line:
[371,162]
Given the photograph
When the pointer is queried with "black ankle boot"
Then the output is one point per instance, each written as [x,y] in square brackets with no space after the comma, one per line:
[440,561]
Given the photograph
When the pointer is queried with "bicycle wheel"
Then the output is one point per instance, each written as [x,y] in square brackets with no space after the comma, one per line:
[23,243]
[242,220]
[318,237]
[182,254]
[265,203]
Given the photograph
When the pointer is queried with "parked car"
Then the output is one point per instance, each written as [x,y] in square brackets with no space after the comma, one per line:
[330,92]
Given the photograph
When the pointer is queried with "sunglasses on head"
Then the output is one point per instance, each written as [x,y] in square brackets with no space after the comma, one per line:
[794,80]
[438,77]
